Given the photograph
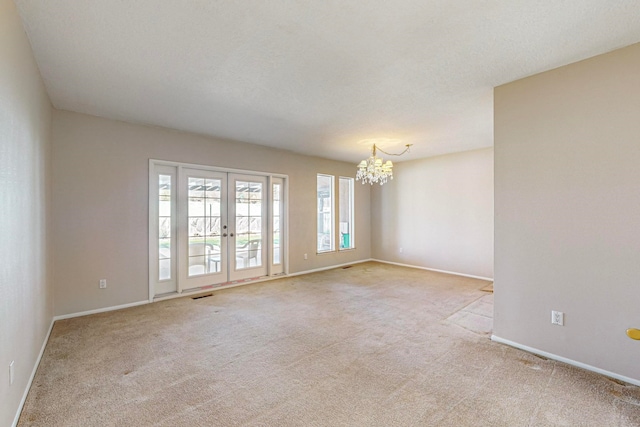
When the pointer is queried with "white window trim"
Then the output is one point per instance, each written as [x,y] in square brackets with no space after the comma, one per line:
[335,215]
[352,223]
[332,246]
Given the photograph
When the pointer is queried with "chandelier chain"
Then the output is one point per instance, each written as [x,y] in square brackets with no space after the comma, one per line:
[408,146]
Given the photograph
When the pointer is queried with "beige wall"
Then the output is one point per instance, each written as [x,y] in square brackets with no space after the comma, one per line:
[439,211]
[567,220]
[100,204]
[26,299]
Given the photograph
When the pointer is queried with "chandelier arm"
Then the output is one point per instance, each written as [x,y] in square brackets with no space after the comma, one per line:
[391,154]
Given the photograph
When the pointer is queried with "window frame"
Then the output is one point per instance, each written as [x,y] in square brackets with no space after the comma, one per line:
[335,234]
[351,207]
[320,234]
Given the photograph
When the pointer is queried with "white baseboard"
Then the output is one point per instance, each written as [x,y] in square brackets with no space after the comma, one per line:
[331,267]
[565,360]
[202,290]
[490,279]
[196,291]
[213,288]
[100,310]
[33,374]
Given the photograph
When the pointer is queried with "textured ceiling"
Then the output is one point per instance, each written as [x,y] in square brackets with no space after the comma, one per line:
[318,77]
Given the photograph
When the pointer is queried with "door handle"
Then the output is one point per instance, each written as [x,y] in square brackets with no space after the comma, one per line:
[231,234]
[224,235]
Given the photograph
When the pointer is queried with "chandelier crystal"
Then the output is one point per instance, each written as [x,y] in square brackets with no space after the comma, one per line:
[376,170]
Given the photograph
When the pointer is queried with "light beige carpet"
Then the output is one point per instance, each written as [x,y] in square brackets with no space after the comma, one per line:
[366,346]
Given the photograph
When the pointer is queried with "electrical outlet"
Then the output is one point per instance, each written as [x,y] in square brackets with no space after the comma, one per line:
[103,283]
[401,250]
[305,256]
[11,373]
[557,318]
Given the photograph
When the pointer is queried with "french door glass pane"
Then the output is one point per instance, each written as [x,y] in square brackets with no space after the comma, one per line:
[248,211]
[204,212]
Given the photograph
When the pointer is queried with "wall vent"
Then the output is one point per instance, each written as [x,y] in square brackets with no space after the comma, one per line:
[202,296]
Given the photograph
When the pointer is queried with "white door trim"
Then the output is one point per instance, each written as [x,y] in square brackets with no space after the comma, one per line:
[153,222]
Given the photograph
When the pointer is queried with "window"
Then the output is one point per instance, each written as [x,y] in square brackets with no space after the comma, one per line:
[325,213]
[345,204]
[165,212]
[163,228]
[277,190]
[330,231]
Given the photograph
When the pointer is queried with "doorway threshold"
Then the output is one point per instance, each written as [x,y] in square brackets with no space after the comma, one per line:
[226,285]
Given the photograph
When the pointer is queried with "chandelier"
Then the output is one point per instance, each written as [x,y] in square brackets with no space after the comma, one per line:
[374,169]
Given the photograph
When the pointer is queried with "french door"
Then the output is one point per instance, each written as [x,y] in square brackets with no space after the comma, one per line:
[211,227]
[203,229]
[248,232]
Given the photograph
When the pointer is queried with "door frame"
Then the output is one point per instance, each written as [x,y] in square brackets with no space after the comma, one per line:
[153,224]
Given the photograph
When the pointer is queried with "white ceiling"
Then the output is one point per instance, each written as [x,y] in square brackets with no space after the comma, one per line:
[321,77]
